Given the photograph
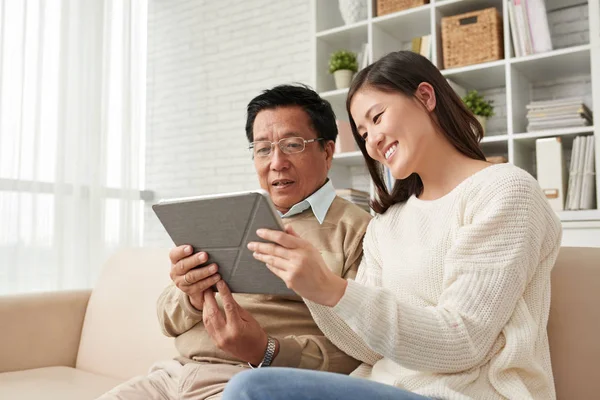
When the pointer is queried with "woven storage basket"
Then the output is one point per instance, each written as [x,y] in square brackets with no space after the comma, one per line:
[390,6]
[472,38]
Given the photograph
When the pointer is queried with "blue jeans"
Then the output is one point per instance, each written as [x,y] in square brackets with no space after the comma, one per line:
[300,384]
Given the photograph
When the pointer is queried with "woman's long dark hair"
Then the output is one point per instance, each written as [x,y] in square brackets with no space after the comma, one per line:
[402,72]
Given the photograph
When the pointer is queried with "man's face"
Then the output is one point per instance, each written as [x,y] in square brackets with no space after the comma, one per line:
[290,178]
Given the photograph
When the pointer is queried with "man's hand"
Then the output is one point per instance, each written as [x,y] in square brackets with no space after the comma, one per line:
[192,282]
[236,332]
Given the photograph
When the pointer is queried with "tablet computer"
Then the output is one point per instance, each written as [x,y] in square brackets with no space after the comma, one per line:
[222,225]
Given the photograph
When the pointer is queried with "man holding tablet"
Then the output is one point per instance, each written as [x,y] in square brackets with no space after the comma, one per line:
[292,133]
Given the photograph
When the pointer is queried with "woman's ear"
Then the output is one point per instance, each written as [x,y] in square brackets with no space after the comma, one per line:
[426,94]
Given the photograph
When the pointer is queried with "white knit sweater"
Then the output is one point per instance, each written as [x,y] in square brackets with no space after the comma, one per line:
[452,296]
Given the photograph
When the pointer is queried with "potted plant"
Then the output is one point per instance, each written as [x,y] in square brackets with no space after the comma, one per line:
[481,108]
[343,65]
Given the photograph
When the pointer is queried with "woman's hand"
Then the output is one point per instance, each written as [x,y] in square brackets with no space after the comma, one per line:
[300,265]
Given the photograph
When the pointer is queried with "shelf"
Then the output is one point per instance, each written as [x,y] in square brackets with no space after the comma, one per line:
[495,145]
[340,36]
[479,76]
[494,139]
[554,64]
[568,133]
[337,99]
[579,215]
[454,7]
[334,94]
[406,24]
[349,159]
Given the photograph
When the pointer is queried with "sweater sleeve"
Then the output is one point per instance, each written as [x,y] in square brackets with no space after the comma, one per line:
[176,315]
[509,230]
[334,327]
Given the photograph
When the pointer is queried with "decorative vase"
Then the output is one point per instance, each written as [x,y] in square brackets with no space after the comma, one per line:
[482,121]
[342,78]
[353,10]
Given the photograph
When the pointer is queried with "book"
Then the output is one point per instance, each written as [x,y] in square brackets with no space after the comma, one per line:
[416,45]
[425,49]
[570,202]
[555,102]
[520,14]
[514,29]
[558,113]
[580,161]
[538,24]
[588,181]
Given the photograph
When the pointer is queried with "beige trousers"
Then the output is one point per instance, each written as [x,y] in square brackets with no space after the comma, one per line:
[170,380]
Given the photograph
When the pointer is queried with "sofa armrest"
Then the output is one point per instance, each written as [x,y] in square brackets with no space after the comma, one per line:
[42,329]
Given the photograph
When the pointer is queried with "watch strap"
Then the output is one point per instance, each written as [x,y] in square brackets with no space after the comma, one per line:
[269,354]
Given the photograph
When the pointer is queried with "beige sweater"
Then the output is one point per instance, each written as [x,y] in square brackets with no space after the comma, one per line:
[452,297]
[302,344]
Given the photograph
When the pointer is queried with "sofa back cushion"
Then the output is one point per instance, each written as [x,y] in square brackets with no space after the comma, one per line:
[121,337]
[574,325]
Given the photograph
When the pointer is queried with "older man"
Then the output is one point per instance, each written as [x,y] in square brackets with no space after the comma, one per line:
[292,135]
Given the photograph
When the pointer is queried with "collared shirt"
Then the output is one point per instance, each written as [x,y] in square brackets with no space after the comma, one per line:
[320,201]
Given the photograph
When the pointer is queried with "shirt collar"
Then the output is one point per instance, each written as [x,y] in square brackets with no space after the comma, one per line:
[319,201]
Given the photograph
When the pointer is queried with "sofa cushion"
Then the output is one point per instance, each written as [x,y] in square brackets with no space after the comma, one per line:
[574,325]
[121,337]
[54,383]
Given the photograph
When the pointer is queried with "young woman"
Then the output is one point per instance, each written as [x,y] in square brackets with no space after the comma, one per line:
[452,296]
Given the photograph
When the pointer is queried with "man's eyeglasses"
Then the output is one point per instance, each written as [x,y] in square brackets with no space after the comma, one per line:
[289,145]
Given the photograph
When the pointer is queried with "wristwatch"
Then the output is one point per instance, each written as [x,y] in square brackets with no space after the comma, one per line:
[269,354]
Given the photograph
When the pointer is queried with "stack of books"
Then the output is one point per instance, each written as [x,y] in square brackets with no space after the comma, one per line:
[581,194]
[560,113]
[357,197]
[529,27]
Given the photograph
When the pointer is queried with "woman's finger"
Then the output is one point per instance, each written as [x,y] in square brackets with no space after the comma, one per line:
[274,261]
[280,273]
[270,249]
[281,238]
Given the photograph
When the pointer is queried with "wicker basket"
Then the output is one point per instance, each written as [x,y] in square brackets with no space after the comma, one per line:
[472,38]
[390,6]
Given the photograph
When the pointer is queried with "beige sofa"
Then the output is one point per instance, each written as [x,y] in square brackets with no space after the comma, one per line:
[71,345]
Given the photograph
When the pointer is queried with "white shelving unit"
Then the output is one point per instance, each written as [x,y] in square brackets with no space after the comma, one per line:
[512,82]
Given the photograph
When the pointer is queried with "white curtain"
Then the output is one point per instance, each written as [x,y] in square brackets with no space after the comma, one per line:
[72,111]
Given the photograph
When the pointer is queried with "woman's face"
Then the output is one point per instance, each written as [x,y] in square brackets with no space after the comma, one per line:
[397,129]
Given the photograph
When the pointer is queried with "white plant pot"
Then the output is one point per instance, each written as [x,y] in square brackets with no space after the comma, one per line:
[353,10]
[482,121]
[342,78]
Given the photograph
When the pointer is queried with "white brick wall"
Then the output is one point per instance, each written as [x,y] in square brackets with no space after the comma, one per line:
[206,60]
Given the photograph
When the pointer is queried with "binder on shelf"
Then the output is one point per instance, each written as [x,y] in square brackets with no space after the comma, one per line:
[588,179]
[570,203]
[551,172]
[579,171]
